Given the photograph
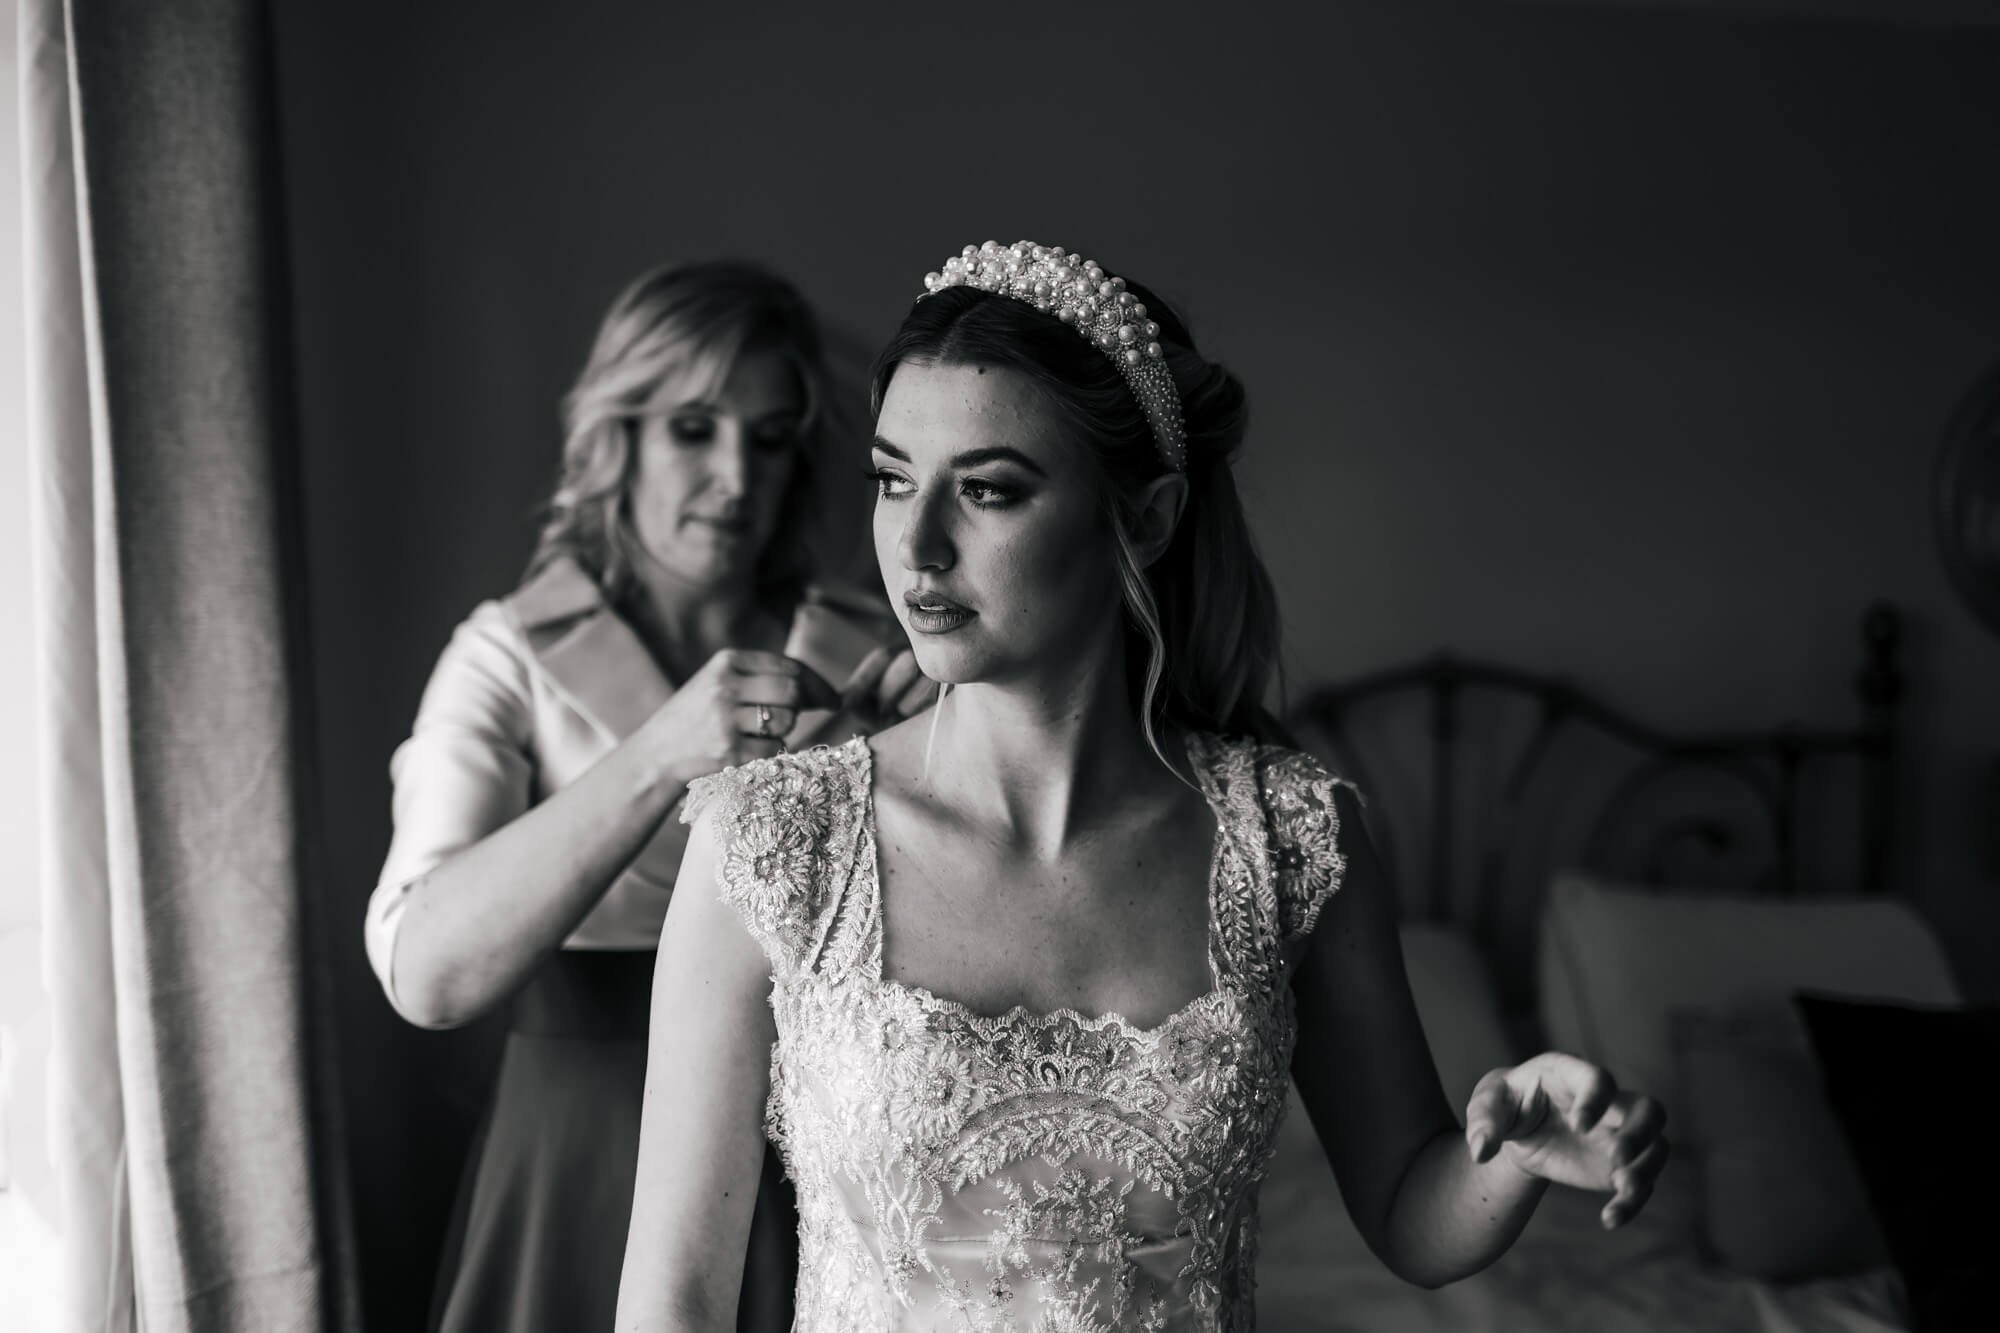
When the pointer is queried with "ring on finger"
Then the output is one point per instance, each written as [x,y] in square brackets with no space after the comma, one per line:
[764,721]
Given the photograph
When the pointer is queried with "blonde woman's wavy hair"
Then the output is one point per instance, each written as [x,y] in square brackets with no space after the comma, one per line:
[672,334]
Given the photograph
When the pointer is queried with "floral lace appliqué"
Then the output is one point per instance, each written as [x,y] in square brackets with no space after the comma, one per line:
[1025,1173]
[1306,860]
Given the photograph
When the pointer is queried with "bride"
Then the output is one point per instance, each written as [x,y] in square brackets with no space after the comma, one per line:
[1018,986]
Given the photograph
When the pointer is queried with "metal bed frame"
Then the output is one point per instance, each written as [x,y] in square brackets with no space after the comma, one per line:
[1510,776]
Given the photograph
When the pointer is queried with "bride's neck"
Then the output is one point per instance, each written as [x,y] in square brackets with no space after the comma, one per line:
[1042,763]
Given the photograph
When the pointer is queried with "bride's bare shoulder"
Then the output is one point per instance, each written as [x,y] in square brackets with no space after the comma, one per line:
[898,751]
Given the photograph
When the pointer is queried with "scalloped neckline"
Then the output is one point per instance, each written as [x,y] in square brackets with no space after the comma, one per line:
[1020,1014]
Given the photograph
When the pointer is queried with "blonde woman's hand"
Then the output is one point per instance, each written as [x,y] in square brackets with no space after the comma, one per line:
[883,689]
[1565,1120]
[886,688]
[736,708]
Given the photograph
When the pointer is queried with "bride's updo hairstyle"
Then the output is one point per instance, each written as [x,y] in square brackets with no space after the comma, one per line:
[1202,621]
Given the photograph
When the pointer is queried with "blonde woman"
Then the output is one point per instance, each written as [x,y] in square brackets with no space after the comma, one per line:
[668,627]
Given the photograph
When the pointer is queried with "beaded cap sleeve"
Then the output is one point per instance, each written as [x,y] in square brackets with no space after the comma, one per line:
[785,833]
[1306,860]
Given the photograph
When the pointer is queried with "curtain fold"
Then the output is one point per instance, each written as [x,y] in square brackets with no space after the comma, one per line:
[200,1177]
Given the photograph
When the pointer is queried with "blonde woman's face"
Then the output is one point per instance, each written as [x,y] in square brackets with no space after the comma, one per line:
[711,471]
[987,529]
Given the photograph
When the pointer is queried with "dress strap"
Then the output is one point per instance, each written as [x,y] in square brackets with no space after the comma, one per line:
[1243,908]
[1279,858]
[850,936]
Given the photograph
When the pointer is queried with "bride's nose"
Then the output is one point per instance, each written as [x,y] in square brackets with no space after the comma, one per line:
[926,540]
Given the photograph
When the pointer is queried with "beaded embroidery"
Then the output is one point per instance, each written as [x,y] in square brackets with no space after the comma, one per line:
[1020,1173]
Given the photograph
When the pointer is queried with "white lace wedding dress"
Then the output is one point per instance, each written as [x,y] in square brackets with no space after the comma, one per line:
[1053,1173]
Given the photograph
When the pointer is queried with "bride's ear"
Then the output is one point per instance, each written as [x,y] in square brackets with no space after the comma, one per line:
[1157,516]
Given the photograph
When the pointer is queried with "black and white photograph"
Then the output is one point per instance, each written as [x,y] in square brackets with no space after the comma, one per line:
[897,668]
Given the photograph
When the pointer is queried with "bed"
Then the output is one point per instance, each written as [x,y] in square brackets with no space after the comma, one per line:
[1572,878]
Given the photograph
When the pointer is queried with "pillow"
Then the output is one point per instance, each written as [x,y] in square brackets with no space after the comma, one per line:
[1908,1086]
[1458,1006]
[1615,962]
[1780,1196]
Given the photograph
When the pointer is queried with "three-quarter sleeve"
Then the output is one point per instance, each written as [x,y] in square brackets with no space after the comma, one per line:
[465,770]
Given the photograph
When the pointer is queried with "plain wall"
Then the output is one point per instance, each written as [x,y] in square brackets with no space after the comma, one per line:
[1616,343]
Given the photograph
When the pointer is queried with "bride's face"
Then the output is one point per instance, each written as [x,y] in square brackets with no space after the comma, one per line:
[987,527]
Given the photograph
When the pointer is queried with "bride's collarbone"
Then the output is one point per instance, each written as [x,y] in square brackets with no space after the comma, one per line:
[1113,925]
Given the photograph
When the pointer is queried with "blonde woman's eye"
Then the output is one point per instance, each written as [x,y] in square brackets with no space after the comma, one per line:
[890,485]
[691,430]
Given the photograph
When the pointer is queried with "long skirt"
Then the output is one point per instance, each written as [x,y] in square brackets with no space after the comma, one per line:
[537,1238]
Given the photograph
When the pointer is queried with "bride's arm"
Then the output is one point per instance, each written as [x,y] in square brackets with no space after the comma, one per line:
[701,1140]
[1365,1073]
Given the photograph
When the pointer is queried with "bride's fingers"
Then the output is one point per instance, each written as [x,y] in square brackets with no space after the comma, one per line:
[1644,1169]
[1642,1120]
[1632,1184]
[1589,1089]
[1492,1115]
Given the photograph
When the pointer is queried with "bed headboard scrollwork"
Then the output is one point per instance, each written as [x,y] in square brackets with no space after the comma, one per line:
[1483,781]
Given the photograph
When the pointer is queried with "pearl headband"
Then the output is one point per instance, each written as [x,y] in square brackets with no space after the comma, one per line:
[1078,292]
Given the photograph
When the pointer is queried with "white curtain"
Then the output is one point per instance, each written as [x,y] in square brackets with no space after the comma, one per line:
[197,1153]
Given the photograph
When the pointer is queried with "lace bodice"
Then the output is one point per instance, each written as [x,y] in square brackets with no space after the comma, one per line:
[1046,1173]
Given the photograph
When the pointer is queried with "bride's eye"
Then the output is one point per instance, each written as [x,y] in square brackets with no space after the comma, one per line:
[890,485]
[986,495]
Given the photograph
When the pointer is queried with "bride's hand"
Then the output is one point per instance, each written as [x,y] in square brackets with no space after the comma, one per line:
[1564,1120]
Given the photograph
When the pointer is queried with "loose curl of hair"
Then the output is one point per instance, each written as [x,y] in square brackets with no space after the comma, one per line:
[1202,620]
[673,334]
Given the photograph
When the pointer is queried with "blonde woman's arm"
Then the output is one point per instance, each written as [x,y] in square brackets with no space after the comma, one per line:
[501,883]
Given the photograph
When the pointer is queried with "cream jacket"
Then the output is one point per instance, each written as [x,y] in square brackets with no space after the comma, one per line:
[531,691]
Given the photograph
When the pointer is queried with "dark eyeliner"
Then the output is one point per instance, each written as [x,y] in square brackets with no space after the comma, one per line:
[1002,495]
[881,477]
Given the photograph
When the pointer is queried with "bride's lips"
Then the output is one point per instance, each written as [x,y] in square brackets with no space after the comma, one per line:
[934,613]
